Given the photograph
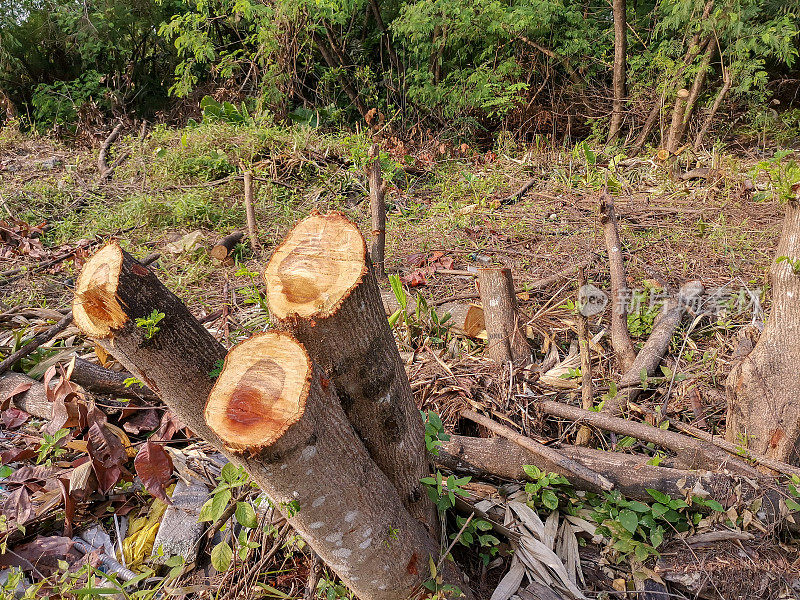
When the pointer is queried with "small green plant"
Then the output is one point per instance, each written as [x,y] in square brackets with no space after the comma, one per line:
[782,174]
[422,326]
[225,112]
[231,478]
[91,582]
[218,365]
[544,488]
[443,492]
[434,432]
[252,291]
[51,446]
[475,533]
[794,263]
[150,323]
[129,381]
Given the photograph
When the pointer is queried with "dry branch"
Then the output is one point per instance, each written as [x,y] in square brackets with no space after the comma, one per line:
[654,349]
[692,453]
[99,380]
[320,287]
[252,226]
[631,474]
[620,336]
[505,331]
[587,389]
[595,480]
[377,206]
[36,342]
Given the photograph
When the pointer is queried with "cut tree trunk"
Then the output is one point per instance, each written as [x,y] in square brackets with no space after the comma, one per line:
[224,248]
[726,86]
[321,288]
[764,387]
[113,290]
[696,89]
[377,206]
[275,410]
[676,126]
[631,474]
[620,47]
[504,328]
[620,336]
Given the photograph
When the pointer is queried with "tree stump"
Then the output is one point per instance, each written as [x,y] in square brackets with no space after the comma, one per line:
[763,388]
[276,410]
[321,288]
[505,331]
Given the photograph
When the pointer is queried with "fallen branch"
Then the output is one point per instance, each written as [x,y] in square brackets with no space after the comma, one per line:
[620,336]
[225,246]
[631,474]
[517,196]
[99,380]
[692,453]
[595,480]
[655,347]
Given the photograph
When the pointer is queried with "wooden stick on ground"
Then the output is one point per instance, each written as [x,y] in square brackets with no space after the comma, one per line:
[225,246]
[587,389]
[36,342]
[692,453]
[320,287]
[506,333]
[252,226]
[654,349]
[377,205]
[620,336]
[99,380]
[595,480]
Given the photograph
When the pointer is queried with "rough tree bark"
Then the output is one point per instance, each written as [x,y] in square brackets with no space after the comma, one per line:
[321,288]
[252,226]
[377,207]
[696,89]
[620,336]
[277,412]
[33,400]
[113,290]
[673,136]
[764,387]
[726,86]
[587,388]
[620,47]
[504,328]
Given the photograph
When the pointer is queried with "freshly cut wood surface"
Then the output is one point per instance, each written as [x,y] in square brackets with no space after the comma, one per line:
[316,266]
[95,308]
[261,391]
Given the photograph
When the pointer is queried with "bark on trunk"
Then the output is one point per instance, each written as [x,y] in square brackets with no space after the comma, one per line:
[762,389]
[114,290]
[696,89]
[33,401]
[504,328]
[98,380]
[675,128]
[225,246]
[587,389]
[620,47]
[377,206]
[321,288]
[630,474]
[277,412]
[620,336]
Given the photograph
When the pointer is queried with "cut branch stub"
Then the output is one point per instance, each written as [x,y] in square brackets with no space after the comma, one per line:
[504,328]
[280,417]
[321,288]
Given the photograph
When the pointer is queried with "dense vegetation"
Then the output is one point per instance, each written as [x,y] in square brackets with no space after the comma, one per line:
[466,68]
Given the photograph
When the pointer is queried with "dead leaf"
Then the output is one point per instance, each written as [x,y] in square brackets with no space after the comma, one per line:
[42,554]
[144,420]
[107,454]
[18,507]
[154,467]
[14,417]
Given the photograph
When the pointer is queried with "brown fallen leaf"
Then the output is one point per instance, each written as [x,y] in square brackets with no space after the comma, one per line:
[154,467]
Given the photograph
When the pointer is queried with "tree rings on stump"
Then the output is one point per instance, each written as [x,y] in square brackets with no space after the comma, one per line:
[316,266]
[95,309]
